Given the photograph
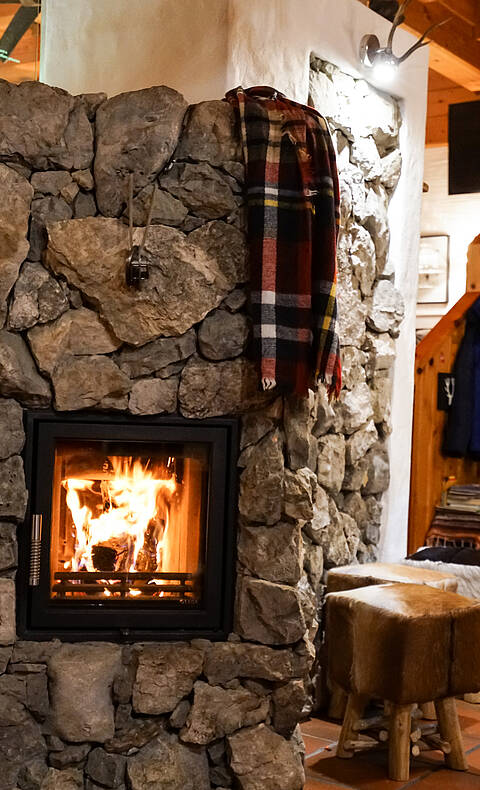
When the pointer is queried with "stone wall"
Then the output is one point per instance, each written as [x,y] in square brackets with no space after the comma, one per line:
[191,715]
[353,433]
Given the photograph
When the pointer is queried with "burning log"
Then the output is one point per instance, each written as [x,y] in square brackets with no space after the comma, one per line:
[104,558]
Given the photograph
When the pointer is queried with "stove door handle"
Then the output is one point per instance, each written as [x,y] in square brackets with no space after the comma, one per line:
[35,550]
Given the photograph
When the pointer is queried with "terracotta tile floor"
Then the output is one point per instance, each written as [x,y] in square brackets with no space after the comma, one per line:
[368,771]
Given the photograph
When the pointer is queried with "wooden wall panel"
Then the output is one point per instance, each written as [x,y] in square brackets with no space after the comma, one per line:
[435,354]
[441,93]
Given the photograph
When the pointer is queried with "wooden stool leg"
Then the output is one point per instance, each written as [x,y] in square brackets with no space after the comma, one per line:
[450,731]
[399,744]
[356,704]
[338,702]
[428,710]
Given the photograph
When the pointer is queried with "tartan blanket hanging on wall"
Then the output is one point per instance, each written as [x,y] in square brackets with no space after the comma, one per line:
[293,219]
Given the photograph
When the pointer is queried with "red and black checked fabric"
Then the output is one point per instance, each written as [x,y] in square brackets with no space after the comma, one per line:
[293,218]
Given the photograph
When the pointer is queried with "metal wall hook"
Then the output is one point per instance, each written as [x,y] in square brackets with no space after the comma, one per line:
[137,269]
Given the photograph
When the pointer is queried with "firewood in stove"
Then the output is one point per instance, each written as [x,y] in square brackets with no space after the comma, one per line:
[104,558]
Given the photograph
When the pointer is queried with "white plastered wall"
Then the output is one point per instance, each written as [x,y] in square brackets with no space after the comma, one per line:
[458,216]
[204,47]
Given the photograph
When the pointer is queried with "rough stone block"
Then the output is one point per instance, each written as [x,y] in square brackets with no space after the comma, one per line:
[14,215]
[83,382]
[356,407]
[273,553]
[50,182]
[68,779]
[76,333]
[261,482]
[299,491]
[20,745]
[299,417]
[165,210]
[106,769]
[133,737]
[353,372]
[288,703]
[179,715]
[269,613]
[165,762]
[45,210]
[19,377]
[157,355]
[223,335]
[210,135]
[387,308]
[378,470]
[13,493]
[321,516]
[331,461]
[136,132]
[154,396]
[201,188]
[12,435]
[37,695]
[37,298]
[8,546]
[256,425]
[360,442]
[225,661]
[81,679]
[185,282]
[70,756]
[217,712]
[227,245]
[263,760]
[84,205]
[165,674]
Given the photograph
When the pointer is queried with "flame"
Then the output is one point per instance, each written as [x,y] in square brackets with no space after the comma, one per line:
[116,512]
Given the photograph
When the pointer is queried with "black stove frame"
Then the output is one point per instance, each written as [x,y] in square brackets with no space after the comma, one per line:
[40,617]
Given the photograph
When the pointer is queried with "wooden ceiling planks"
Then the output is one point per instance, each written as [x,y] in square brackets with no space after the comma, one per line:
[465,9]
[454,49]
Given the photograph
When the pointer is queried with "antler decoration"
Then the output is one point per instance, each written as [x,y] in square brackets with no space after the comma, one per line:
[399,18]
[371,53]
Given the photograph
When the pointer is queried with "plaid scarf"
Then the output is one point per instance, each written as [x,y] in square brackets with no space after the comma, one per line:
[293,219]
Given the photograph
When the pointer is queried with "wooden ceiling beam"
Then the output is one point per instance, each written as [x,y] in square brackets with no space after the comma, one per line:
[454,51]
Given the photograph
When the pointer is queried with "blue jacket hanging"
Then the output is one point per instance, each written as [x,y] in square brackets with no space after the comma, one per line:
[462,436]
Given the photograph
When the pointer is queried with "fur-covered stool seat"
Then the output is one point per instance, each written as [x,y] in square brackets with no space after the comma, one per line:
[404,644]
[349,577]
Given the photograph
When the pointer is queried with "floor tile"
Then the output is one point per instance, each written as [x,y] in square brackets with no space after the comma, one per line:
[466,708]
[473,758]
[321,729]
[313,744]
[318,784]
[360,772]
[449,780]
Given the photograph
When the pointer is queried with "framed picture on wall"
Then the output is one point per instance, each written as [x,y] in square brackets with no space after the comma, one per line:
[433,269]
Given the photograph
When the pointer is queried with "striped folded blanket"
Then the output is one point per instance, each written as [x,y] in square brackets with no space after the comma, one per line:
[293,218]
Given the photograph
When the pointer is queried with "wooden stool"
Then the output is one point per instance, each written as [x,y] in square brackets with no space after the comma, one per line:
[350,577]
[405,644]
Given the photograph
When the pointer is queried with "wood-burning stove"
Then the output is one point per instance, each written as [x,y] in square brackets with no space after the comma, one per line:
[130,526]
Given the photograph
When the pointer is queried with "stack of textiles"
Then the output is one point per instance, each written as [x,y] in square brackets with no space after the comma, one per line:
[457,521]
[466,497]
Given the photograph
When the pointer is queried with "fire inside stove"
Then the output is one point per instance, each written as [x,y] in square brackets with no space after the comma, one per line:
[128,526]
